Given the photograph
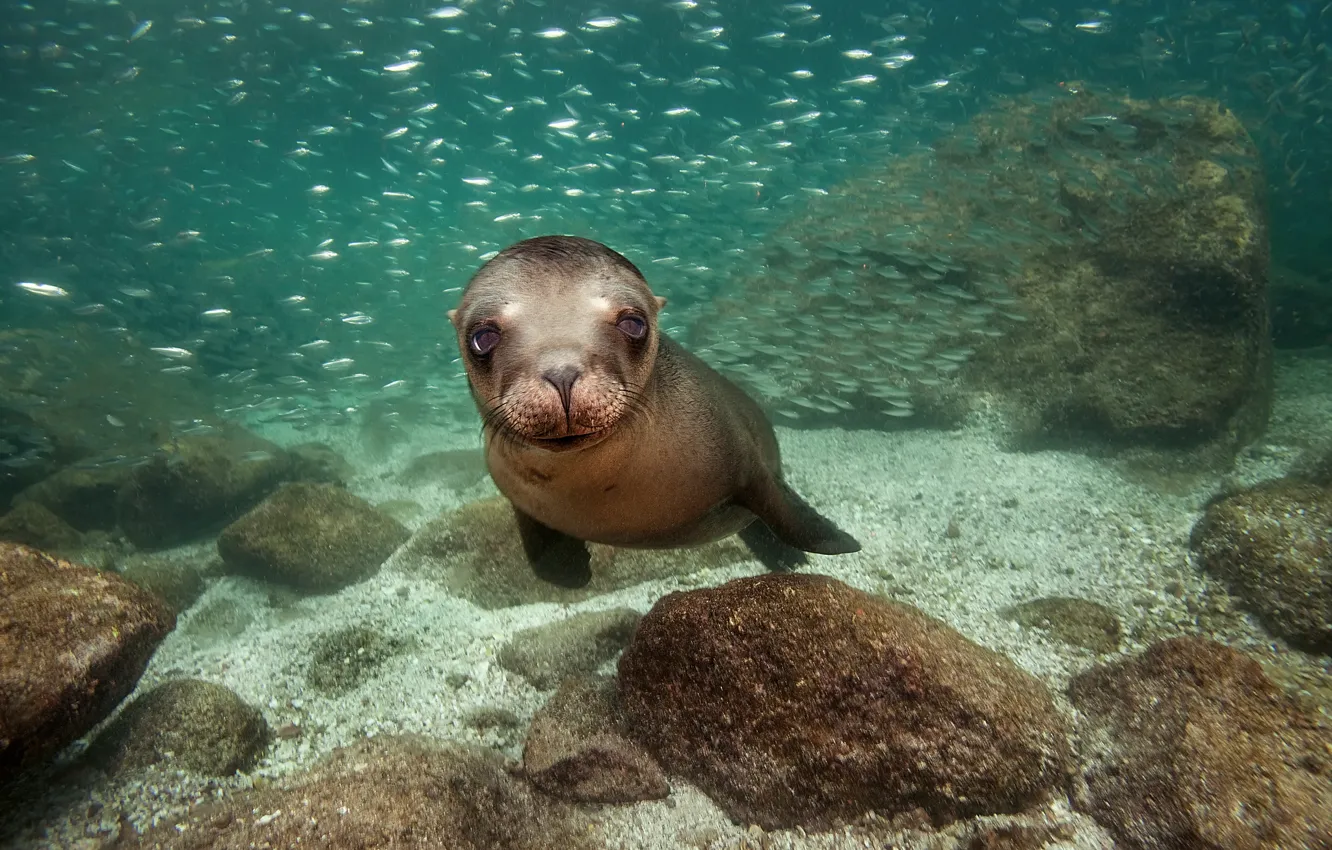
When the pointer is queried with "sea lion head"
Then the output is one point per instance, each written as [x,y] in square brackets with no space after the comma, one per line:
[558,336]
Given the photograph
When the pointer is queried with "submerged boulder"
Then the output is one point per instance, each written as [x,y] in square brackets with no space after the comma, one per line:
[33,524]
[545,655]
[1189,746]
[456,469]
[316,537]
[1272,545]
[796,700]
[384,791]
[73,643]
[83,496]
[197,484]
[577,748]
[186,724]
[1094,265]
[476,552]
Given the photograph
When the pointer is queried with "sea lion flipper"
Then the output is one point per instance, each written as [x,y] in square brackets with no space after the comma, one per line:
[771,551]
[555,556]
[794,521]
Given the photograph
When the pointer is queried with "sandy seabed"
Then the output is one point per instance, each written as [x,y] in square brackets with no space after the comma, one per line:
[1024,525]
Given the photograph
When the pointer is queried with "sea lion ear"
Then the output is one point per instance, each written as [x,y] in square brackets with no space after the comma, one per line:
[453,318]
[661,302]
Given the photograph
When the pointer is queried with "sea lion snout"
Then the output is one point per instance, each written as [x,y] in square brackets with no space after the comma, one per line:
[562,379]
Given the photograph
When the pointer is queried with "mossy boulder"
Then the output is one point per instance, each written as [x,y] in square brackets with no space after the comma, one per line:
[178,577]
[1190,745]
[1091,266]
[476,552]
[73,643]
[384,791]
[314,537]
[32,524]
[578,749]
[1272,545]
[456,469]
[84,496]
[187,724]
[796,700]
[318,463]
[547,654]
[197,484]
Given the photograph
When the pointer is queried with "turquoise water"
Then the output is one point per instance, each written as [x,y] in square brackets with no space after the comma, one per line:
[925,237]
[284,200]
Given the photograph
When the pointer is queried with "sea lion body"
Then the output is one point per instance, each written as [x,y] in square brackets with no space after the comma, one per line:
[600,428]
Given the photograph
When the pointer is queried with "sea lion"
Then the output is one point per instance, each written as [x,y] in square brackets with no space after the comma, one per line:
[599,427]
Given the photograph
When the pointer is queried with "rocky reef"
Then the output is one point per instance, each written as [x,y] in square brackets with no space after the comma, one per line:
[1096,265]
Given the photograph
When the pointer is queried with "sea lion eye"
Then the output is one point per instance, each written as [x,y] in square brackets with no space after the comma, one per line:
[632,326]
[483,340]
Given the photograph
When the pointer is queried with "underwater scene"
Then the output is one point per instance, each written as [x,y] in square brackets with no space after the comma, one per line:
[680,424]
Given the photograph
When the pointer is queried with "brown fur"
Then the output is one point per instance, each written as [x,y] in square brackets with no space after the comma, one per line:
[648,447]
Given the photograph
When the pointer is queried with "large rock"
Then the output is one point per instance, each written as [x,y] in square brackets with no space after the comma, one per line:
[545,655]
[476,552]
[402,792]
[73,393]
[1189,746]
[456,469]
[1272,544]
[73,643]
[797,700]
[316,537]
[186,724]
[176,575]
[195,485]
[577,748]
[85,496]
[1093,266]
[32,524]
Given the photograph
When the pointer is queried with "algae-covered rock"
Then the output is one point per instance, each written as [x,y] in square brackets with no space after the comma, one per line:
[385,791]
[1093,266]
[1077,622]
[795,700]
[475,551]
[187,724]
[315,537]
[545,655]
[318,463]
[73,643]
[1272,545]
[577,749]
[197,484]
[176,576]
[456,469]
[85,496]
[32,524]
[1190,746]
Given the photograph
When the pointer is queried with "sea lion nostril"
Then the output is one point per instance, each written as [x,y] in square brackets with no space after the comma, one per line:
[562,379]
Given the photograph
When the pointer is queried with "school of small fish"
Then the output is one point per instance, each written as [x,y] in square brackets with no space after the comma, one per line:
[283,200]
